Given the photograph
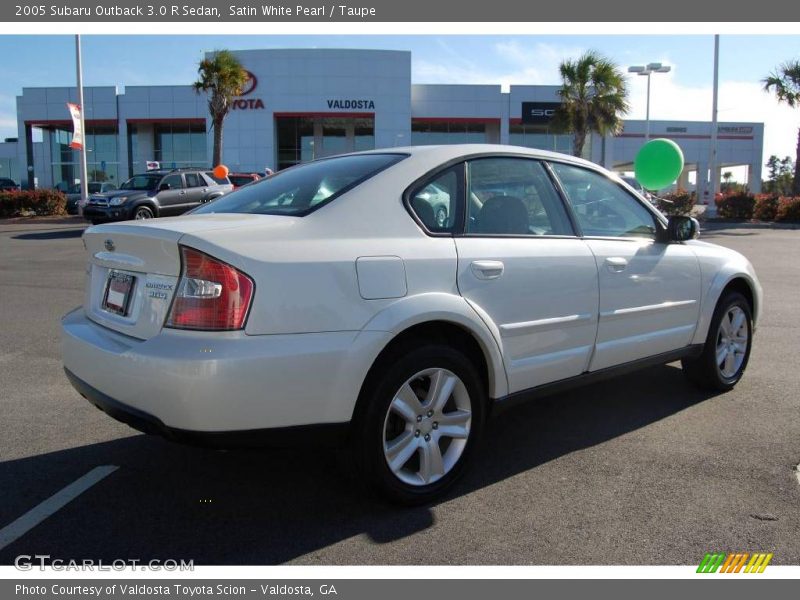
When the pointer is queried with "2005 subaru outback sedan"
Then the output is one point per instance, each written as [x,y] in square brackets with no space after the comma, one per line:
[330,299]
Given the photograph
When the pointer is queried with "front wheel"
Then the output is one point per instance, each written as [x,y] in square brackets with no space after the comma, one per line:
[422,420]
[143,212]
[727,348]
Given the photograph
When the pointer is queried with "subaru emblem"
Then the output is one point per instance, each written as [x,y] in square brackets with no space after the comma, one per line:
[109,245]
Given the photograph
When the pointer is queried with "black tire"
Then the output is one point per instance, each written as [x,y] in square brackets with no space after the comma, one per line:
[143,212]
[704,371]
[372,416]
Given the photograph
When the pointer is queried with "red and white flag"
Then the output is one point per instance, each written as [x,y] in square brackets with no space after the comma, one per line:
[77,135]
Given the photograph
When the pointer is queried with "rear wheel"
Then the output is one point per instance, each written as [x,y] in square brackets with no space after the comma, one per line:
[727,347]
[420,425]
[142,212]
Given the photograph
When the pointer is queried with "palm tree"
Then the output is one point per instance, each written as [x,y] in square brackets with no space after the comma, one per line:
[784,82]
[594,97]
[223,77]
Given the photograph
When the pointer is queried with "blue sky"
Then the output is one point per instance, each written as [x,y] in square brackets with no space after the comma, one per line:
[682,94]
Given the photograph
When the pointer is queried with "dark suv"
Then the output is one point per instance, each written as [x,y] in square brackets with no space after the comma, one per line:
[159,193]
[8,185]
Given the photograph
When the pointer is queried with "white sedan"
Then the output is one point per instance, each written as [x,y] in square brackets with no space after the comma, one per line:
[329,301]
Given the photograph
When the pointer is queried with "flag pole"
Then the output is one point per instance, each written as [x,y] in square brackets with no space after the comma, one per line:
[84,167]
[711,209]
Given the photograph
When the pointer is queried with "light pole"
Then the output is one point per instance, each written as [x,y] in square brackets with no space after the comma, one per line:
[646,71]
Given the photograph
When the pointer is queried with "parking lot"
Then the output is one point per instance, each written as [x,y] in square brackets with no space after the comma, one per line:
[643,469]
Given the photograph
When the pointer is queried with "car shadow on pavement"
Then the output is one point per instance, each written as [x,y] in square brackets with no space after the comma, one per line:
[272,506]
[54,234]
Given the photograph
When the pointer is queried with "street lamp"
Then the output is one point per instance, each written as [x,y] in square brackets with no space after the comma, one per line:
[646,71]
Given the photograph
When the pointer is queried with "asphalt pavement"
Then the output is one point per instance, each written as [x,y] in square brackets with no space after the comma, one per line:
[643,469]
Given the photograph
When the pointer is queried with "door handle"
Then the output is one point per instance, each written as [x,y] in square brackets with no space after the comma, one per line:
[183,192]
[487,269]
[616,264]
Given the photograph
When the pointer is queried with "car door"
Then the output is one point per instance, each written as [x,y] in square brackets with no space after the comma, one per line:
[195,190]
[649,290]
[172,199]
[522,268]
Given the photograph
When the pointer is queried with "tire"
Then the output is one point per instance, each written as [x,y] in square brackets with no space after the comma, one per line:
[392,422]
[710,372]
[142,212]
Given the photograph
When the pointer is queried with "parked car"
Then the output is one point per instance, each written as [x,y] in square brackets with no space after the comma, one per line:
[8,185]
[240,179]
[156,193]
[95,187]
[328,301]
[439,201]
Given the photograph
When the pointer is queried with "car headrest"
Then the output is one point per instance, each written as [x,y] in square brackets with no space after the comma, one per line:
[503,215]
[425,212]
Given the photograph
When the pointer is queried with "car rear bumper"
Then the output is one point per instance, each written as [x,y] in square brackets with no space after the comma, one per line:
[218,386]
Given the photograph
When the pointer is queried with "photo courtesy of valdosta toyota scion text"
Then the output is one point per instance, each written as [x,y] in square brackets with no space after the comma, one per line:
[443,300]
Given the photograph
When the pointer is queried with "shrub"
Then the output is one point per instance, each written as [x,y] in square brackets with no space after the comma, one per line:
[765,207]
[32,202]
[788,209]
[676,203]
[736,206]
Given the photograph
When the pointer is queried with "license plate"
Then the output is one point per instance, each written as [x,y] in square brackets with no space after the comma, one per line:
[118,293]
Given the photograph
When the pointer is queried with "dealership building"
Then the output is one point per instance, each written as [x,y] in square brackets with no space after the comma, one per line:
[304,104]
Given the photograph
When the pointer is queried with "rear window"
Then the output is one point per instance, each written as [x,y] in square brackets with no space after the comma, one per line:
[215,179]
[302,189]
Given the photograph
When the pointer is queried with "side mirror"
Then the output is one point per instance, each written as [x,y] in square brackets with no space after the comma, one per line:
[681,228]
[164,187]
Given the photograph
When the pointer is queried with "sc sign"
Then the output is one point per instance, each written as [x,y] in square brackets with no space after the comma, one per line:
[538,112]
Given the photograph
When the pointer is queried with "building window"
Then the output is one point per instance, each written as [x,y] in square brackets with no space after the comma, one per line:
[101,156]
[304,138]
[173,144]
[538,136]
[425,132]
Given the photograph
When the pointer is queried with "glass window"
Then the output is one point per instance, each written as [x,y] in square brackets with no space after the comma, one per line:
[513,196]
[602,207]
[435,202]
[141,182]
[175,182]
[300,190]
[425,132]
[193,180]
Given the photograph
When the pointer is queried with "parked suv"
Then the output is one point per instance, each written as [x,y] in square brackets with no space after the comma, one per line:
[8,185]
[158,193]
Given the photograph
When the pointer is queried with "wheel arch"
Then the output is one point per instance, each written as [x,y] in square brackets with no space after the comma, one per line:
[443,317]
[149,203]
[725,282]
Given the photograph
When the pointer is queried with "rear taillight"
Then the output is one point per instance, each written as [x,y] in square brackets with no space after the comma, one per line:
[211,295]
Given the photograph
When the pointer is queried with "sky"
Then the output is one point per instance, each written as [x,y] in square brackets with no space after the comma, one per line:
[684,93]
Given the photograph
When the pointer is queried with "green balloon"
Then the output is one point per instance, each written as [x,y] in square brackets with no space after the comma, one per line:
[658,163]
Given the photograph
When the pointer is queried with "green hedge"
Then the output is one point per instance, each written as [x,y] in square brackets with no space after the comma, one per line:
[736,206]
[788,210]
[31,203]
[676,203]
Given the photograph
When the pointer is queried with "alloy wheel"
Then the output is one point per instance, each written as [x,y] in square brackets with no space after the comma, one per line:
[733,337]
[427,427]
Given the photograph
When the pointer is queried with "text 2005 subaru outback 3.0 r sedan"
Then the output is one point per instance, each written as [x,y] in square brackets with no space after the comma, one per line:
[332,299]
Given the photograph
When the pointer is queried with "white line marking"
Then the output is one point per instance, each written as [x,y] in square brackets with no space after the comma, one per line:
[13,531]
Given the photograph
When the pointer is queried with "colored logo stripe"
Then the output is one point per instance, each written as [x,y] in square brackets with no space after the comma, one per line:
[734,562]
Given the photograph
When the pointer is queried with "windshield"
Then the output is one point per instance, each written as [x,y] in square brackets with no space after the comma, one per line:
[302,189]
[141,182]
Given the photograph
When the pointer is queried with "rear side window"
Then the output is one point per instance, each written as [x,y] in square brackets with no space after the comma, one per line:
[217,180]
[513,196]
[435,202]
[302,189]
[193,180]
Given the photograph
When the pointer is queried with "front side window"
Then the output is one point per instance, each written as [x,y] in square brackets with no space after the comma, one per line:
[301,189]
[435,202]
[602,207]
[175,182]
[141,182]
[513,196]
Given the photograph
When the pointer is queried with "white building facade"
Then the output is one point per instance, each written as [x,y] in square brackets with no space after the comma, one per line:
[305,104]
